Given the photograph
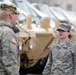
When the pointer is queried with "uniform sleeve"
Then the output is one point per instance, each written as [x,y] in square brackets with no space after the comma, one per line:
[47,68]
[74,59]
[10,56]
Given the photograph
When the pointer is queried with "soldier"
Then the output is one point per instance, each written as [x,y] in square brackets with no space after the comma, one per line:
[62,57]
[9,52]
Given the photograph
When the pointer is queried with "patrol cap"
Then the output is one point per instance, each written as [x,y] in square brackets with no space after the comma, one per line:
[64,27]
[13,8]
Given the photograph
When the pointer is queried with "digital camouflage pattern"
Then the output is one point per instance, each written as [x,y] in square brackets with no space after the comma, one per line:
[5,6]
[64,27]
[9,52]
[61,60]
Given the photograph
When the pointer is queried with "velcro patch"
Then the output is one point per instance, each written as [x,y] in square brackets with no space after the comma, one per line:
[13,41]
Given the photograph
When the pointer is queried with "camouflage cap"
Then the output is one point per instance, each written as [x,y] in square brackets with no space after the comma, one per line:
[9,7]
[64,27]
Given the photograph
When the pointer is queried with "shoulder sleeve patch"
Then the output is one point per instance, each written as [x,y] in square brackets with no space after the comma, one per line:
[13,41]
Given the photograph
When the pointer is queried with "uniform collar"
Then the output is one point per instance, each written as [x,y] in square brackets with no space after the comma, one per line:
[13,27]
[64,45]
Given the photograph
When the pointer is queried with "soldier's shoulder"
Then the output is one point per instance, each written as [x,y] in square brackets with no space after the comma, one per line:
[73,43]
[7,31]
[1,31]
[54,44]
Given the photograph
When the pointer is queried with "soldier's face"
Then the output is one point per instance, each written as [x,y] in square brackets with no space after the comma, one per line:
[14,17]
[11,17]
[63,34]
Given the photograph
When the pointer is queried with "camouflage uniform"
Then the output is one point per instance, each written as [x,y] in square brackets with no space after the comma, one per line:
[9,54]
[61,60]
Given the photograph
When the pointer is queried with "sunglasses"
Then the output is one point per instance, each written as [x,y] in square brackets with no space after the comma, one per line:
[15,13]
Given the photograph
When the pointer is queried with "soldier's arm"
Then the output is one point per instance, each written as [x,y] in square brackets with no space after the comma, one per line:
[10,54]
[74,59]
[47,68]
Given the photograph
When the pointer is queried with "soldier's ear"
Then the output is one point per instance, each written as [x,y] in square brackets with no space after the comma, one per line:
[69,33]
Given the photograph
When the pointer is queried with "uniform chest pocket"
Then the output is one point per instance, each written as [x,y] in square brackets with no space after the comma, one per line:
[62,54]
